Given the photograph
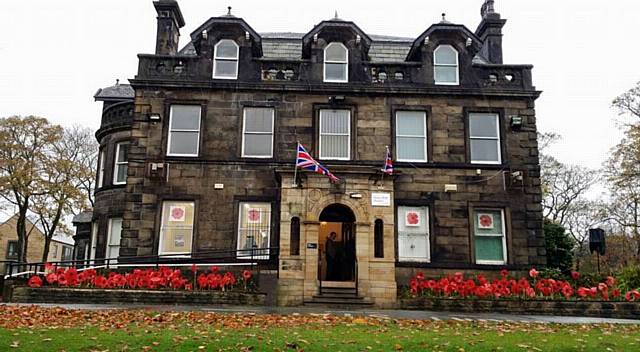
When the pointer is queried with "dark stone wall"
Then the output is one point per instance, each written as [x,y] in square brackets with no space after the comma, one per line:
[296,119]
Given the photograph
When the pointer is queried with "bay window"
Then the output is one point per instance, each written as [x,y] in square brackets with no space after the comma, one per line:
[101,161]
[411,136]
[254,228]
[257,133]
[121,163]
[335,134]
[484,138]
[176,231]
[489,237]
[413,234]
[114,235]
[184,130]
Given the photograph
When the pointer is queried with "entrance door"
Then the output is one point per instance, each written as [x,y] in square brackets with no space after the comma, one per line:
[337,238]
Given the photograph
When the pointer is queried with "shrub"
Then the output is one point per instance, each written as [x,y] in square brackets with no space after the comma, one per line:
[629,278]
[559,246]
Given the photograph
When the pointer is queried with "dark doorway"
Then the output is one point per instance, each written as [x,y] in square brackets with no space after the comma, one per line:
[337,237]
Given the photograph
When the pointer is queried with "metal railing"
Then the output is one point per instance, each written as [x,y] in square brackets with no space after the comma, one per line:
[253,258]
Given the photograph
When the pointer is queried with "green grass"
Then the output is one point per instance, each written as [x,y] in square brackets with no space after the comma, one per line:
[442,336]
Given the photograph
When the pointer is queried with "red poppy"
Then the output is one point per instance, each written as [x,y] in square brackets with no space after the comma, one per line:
[486,221]
[420,276]
[533,273]
[413,218]
[246,275]
[51,278]
[35,281]
[615,293]
[504,272]
[575,275]
[610,281]
[194,268]
[630,296]
[530,292]
[567,291]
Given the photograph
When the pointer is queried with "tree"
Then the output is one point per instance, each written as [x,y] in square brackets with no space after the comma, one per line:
[24,144]
[559,246]
[68,174]
[629,102]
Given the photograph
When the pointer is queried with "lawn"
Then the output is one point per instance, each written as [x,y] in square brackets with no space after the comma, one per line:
[39,329]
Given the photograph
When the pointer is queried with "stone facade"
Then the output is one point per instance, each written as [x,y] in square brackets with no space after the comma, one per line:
[218,178]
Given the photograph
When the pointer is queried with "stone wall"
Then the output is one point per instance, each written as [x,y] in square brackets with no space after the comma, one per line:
[151,297]
[602,309]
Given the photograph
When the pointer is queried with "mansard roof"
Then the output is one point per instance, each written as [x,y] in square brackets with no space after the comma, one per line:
[444,26]
[229,20]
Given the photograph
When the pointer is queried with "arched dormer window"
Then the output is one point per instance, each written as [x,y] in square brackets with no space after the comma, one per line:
[336,63]
[225,60]
[445,65]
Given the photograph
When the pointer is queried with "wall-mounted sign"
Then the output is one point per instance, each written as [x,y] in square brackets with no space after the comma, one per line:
[312,246]
[412,218]
[380,199]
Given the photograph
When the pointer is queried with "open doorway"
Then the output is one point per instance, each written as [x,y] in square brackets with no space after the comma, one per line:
[337,242]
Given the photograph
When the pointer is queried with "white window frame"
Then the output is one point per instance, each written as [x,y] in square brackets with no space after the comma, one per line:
[244,133]
[101,168]
[425,137]
[427,220]
[457,66]
[197,153]
[94,241]
[216,58]
[503,235]
[109,234]
[117,164]
[348,134]
[162,230]
[239,231]
[497,139]
[345,63]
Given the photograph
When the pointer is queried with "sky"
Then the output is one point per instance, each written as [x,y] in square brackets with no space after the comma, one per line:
[54,55]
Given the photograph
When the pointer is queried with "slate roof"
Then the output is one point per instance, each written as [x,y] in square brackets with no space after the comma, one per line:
[85,216]
[288,46]
[118,91]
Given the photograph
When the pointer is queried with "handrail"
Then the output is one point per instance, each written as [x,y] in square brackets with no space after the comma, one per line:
[251,256]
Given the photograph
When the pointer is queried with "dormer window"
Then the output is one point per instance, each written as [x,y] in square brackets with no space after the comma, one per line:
[336,63]
[445,65]
[225,60]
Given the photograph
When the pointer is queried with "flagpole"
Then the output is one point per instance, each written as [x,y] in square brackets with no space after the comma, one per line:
[295,173]
[384,167]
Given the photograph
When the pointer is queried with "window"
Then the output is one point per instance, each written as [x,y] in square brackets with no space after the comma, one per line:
[101,161]
[121,162]
[411,136]
[257,134]
[184,130]
[254,228]
[54,252]
[445,65]
[225,63]
[94,240]
[12,250]
[413,234]
[295,236]
[66,253]
[336,63]
[378,239]
[484,139]
[113,238]
[490,241]
[335,134]
[176,233]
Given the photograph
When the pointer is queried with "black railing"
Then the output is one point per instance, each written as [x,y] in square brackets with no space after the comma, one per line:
[253,258]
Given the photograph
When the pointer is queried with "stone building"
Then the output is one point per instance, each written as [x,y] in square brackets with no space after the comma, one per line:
[61,247]
[197,153]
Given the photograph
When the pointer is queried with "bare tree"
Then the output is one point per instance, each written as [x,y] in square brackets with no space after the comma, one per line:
[629,102]
[24,143]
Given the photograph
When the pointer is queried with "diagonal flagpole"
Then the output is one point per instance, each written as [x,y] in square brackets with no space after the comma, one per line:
[384,166]
[295,173]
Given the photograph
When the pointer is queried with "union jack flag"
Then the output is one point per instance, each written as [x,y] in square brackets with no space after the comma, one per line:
[306,162]
[388,164]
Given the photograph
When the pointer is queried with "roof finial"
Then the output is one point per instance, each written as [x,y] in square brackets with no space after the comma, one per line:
[117,82]
[335,16]
[444,17]
[228,10]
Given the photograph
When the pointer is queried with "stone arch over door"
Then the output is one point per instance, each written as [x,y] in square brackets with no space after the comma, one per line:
[316,209]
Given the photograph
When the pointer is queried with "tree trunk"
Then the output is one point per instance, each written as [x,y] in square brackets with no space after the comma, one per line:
[21,229]
[45,252]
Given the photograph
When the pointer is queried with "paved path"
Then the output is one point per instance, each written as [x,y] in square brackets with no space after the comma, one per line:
[392,314]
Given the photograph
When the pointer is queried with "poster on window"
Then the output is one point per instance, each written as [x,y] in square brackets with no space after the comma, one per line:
[412,218]
[177,213]
[254,216]
[485,221]
[178,241]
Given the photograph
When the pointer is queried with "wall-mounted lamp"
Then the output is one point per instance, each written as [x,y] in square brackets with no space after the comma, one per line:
[469,42]
[516,121]
[154,117]
[426,40]
[356,195]
[358,39]
[246,35]
[315,38]
[205,34]
[336,99]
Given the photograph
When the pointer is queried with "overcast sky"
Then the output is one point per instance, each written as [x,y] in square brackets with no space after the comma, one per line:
[54,55]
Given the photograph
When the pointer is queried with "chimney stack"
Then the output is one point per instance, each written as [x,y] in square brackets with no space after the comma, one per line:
[170,21]
[490,32]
